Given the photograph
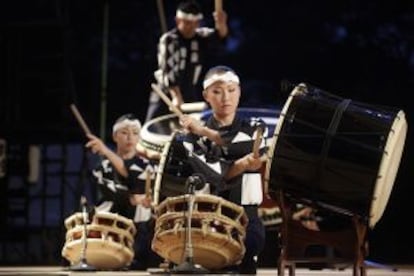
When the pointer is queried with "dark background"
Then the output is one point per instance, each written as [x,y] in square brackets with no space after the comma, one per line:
[53,53]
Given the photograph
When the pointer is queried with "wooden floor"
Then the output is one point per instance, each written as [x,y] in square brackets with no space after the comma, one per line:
[399,270]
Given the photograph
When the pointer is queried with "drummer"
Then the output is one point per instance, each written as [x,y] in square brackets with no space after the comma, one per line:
[121,176]
[229,139]
[183,52]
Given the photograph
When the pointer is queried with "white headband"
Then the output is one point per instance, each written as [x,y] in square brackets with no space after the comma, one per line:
[226,77]
[126,123]
[188,16]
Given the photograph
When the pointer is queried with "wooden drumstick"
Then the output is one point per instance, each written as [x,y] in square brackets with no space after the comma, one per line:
[80,119]
[218,5]
[167,100]
[256,145]
[148,190]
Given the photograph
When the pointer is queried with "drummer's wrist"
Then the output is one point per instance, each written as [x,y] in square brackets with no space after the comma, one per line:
[204,131]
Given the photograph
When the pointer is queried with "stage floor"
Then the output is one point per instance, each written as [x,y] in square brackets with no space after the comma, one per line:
[401,270]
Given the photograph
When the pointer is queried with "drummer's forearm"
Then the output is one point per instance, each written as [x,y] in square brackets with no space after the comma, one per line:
[238,167]
[117,162]
[147,153]
[211,134]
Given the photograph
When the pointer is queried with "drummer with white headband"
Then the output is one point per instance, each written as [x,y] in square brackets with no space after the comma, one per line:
[229,139]
[182,54]
[121,176]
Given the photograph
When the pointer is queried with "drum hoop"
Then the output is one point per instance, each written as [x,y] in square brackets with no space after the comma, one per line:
[282,115]
[150,140]
[162,162]
[388,168]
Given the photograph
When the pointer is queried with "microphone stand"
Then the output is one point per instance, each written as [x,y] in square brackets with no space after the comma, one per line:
[188,266]
[83,264]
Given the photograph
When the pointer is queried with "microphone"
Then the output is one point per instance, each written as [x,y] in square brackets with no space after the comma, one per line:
[195,182]
[84,204]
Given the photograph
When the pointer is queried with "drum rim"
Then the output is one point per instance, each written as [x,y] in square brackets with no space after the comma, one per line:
[275,136]
[149,139]
[388,167]
[160,168]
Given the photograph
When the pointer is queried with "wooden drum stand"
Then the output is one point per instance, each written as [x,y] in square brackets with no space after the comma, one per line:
[349,243]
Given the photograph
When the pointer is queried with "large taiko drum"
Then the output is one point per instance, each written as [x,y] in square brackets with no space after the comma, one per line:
[109,240]
[218,230]
[336,153]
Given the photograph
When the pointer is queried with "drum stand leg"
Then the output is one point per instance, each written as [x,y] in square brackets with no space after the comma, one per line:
[296,239]
[188,266]
[83,265]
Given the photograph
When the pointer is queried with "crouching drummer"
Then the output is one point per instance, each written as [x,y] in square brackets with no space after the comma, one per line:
[234,141]
[121,176]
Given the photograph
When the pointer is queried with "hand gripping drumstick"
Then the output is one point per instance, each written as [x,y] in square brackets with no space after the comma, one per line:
[256,145]
[166,100]
[80,120]
[148,183]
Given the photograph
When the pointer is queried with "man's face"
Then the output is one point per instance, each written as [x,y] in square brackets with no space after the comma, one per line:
[187,27]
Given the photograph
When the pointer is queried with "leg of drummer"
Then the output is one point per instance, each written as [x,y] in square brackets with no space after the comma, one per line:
[255,242]
[145,257]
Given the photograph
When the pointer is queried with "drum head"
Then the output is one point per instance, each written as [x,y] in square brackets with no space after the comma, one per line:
[336,153]
[157,132]
[388,168]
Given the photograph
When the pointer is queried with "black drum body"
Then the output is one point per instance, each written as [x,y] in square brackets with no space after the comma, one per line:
[336,153]
[173,170]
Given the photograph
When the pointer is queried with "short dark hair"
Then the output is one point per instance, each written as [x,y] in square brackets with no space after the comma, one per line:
[189,6]
[128,116]
[221,69]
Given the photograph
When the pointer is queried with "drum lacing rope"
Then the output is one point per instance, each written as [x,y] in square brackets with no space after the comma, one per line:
[331,131]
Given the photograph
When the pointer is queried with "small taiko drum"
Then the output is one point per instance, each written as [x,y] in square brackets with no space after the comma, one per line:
[218,230]
[108,243]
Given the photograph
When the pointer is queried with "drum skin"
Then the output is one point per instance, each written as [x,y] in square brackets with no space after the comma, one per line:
[333,152]
[109,242]
[218,230]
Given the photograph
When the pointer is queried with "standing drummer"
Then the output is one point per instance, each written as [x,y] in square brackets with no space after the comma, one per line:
[232,140]
[121,177]
[182,54]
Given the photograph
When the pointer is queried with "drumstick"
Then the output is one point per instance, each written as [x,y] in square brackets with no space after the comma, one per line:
[218,5]
[166,100]
[80,120]
[148,183]
[256,145]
